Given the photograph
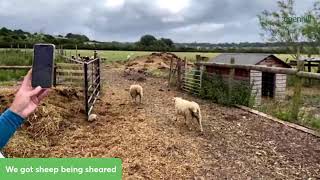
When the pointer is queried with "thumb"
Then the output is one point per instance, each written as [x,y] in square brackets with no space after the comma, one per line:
[35,91]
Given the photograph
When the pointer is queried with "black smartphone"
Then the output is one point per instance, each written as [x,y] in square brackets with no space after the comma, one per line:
[42,67]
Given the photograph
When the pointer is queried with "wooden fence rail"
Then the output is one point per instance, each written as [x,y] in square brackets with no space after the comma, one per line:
[276,70]
[15,67]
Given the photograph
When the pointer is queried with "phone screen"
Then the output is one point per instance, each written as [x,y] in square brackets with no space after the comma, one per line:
[42,67]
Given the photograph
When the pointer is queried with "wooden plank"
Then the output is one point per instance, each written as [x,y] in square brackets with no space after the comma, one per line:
[15,67]
[308,75]
[66,78]
[69,71]
[69,65]
[72,60]
[70,83]
[276,70]
[292,125]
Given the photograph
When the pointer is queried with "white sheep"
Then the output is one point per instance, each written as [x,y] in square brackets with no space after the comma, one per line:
[136,90]
[185,108]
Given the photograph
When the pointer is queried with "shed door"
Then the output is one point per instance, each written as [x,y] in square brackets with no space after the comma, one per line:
[268,84]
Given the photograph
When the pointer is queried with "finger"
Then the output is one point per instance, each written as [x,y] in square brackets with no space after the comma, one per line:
[35,91]
[43,94]
[27,79]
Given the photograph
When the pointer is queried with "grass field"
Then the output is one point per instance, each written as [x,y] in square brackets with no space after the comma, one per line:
[24,57]
[122,55]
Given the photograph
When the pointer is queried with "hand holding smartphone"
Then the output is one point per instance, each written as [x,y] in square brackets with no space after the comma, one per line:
[42,67]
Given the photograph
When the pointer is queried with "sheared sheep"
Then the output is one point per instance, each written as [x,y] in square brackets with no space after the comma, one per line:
[185,108]
[136,90]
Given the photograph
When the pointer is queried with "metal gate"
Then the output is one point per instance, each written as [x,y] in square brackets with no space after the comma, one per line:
[92,83]
[191,81]
[85,74]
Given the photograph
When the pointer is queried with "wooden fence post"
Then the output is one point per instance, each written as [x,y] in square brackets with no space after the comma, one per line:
[179,73]
[230,80]
[170,73]
[77,51]
[55,76]
[202,68]
[25,50]
[298,81]
[309,69]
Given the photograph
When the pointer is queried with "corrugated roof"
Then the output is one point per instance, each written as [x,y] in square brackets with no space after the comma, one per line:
[240,58]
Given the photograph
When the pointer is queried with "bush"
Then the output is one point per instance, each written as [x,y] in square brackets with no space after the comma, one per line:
[215,88]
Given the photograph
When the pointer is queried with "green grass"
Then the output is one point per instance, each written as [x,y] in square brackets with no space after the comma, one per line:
[308,115]
[11,75]
[15,57]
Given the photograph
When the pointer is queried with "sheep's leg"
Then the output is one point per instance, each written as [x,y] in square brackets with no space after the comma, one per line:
[201,129]
[186,119]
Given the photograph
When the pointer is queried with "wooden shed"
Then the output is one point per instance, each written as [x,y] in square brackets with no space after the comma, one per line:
[264,84]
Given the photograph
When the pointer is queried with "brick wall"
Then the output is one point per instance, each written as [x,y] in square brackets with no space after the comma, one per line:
[256,82]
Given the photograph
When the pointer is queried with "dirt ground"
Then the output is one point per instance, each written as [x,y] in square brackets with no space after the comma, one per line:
[235,144]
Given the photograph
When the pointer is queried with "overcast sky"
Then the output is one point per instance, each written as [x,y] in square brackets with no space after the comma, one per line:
[126,20]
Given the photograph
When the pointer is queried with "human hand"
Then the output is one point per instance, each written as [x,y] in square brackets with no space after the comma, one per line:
[27,98]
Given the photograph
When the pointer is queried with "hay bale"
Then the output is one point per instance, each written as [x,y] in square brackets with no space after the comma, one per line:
[45,121]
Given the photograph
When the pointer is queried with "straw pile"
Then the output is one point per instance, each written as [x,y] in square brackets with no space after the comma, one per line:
[50,119]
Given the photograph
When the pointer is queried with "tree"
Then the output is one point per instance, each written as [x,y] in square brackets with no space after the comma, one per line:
[168,42]
[147,40]
[77,37]
[312,27]
[278,27]
[4,31]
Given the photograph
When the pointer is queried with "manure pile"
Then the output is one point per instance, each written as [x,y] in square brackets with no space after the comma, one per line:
[139,68]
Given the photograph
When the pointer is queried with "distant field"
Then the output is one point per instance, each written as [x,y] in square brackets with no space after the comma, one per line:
[122,55]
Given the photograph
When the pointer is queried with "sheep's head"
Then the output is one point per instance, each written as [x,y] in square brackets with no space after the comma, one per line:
[175,99]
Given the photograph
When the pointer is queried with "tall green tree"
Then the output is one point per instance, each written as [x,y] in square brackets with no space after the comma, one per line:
[312,28]
[278,27]
[168,42]
[147,40]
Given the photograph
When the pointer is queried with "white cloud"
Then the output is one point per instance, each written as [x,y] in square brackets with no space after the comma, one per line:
[172,19]
[199,28]
[114,4]
[173,6]
[127,20]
